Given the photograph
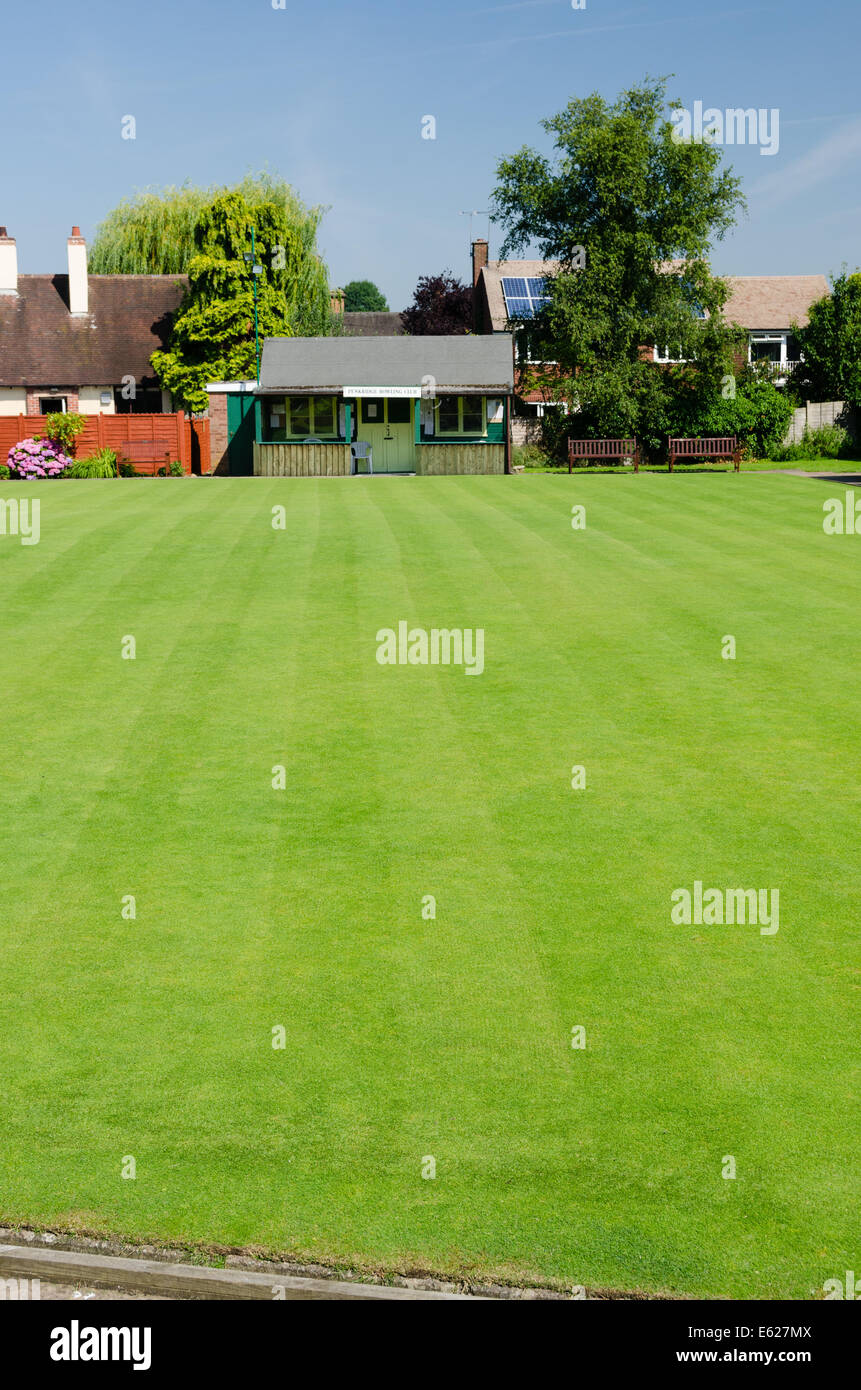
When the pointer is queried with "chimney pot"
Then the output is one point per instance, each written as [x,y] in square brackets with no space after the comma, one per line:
[2,231]
[76,231]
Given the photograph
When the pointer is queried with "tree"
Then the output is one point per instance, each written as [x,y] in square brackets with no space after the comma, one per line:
[441,304]
[627,213]
[154,232]
[831,344]
[212,338]
[363,297]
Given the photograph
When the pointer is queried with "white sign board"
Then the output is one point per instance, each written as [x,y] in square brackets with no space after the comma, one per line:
[409,392]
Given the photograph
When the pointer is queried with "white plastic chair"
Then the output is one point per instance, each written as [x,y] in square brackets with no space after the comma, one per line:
[362,450]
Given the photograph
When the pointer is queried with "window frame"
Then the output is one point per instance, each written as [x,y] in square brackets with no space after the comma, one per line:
[291,437]
[453,434]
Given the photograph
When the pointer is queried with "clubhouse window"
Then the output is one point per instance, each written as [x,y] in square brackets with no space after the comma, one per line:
[461,415]
[310,417]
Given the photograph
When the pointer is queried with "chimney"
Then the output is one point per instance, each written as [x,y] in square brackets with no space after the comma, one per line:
[479,260]
[79,294]
[8,264]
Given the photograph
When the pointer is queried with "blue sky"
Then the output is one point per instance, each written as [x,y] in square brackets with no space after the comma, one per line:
[332,95]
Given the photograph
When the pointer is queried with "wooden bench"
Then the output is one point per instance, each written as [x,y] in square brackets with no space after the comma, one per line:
[725,448]
[603,450]
[156,452]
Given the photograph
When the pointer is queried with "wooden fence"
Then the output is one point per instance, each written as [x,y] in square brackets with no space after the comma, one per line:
[187,440]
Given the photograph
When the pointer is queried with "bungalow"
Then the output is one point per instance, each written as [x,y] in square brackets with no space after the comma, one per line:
[81,342]
[398,404]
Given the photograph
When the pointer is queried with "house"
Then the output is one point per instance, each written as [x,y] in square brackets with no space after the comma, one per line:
[81,342]
[767,306]
[334,406]
[764,305]
[376,323]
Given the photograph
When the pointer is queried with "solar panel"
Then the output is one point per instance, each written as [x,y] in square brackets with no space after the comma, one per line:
[514,286]
[524,297]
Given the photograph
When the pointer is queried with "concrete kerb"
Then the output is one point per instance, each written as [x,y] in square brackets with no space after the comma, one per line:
[189,1281]
[282,1271]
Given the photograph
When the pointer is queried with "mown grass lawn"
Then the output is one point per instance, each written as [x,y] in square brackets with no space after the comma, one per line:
[409,1038]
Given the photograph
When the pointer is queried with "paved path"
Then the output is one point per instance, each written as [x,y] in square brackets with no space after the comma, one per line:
[854,479]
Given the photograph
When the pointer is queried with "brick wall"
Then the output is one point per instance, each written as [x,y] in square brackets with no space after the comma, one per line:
[218,432]
[34,392]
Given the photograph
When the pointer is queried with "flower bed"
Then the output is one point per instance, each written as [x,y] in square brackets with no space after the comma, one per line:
[37,458]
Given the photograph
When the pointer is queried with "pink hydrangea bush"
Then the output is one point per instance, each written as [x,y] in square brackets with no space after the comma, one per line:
[37,458]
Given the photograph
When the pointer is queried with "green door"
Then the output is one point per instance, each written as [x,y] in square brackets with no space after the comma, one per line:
[240,433]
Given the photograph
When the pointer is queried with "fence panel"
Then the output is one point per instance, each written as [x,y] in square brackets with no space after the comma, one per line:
[108,431]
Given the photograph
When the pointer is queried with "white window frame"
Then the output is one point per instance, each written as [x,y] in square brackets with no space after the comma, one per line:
[666,360]
[761,336]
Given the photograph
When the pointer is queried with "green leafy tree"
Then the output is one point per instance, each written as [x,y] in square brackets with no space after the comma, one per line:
[627,214]
[831,344]
[212,337]
[153,233]
[363,297]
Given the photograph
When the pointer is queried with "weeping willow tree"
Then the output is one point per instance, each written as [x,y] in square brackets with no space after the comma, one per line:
[153,232]
[212,338]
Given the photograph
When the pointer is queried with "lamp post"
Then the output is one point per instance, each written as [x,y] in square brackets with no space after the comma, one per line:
[256,271]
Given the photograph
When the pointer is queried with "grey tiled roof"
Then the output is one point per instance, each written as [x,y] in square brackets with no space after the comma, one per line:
[462,362]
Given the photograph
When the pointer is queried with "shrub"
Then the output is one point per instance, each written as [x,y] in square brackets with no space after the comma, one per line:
[99,465]
[37,458]
[4,471]
[529,456]
[759,416]
[176,469]
[828,442]
[64,428]
[128,470]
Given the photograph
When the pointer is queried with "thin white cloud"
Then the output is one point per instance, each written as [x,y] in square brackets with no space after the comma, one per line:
[576,30]
[832,156]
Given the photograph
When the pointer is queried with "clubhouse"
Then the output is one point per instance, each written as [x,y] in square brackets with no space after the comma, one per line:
[331,407]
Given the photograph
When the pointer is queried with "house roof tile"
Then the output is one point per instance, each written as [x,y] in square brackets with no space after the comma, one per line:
[755,301]
[129,318]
